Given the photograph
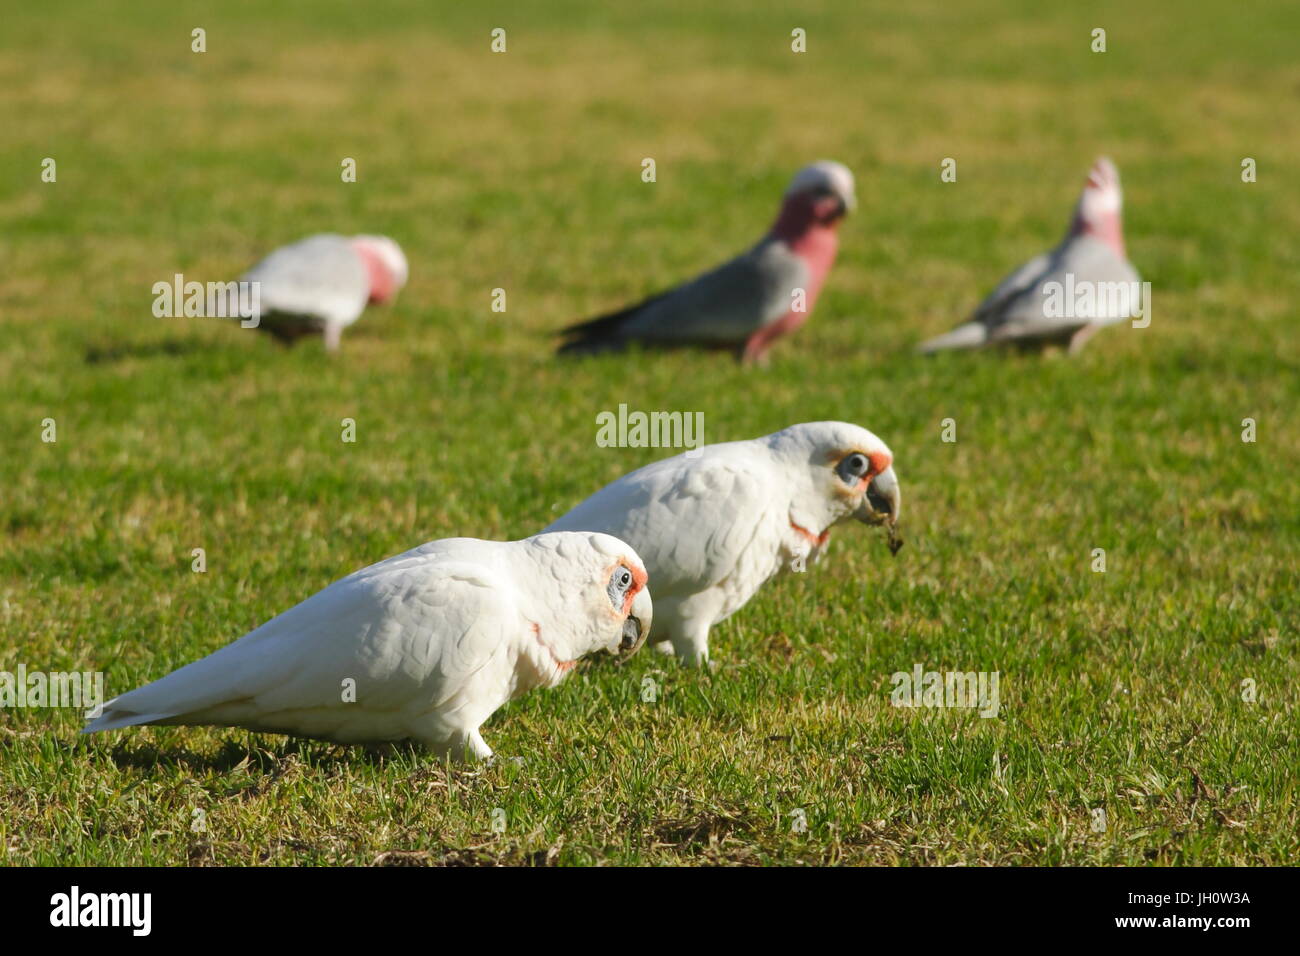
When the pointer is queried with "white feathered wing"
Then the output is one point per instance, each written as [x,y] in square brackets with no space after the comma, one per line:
[730,500]
[425,645]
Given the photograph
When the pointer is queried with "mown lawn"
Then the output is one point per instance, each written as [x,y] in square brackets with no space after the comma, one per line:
[1121,691]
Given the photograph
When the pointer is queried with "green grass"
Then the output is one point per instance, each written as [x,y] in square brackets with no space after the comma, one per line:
[1119,690]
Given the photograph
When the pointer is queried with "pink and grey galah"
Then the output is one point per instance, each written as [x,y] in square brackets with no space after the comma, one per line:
[1063,296]
[322,284]
[751,301]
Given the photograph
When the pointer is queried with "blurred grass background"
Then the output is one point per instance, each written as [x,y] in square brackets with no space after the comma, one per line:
[522,171]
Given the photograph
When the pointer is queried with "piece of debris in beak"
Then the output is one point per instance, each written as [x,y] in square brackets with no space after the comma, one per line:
[880,505]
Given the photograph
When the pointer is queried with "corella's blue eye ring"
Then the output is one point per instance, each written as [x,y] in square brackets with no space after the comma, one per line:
[854,466]
[619,582]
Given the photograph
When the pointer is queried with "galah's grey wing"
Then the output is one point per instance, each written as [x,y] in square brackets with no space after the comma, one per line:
[1026,316]
[320,278]
[1025,277]
[977,330]
[723,307]
[727,305]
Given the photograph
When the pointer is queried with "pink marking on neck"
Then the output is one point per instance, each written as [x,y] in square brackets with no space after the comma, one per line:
[1105,227]
[562,666]
[816,540]
[382,281]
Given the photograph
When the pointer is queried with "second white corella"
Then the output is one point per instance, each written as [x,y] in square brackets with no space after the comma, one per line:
[715,523]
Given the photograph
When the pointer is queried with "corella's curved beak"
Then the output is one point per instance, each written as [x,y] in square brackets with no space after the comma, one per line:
[880,505]
[637,624]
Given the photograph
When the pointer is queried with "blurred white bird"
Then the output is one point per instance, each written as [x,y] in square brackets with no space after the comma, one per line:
[322,284]
[1021,310]
[425,645]
[714,524]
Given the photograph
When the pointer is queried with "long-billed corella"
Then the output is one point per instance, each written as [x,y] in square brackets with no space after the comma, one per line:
[1063,296]
[751,301]
[320,285]
[423,646]
[714,524]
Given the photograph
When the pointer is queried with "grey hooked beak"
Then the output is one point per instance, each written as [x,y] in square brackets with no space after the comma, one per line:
[637,624]
[880,505]
[844,204]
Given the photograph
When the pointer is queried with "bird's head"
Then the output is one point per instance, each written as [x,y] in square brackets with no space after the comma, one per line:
[1100,205]
[629,598]
[595,588]
[838,470]
[385,263]
[820,194]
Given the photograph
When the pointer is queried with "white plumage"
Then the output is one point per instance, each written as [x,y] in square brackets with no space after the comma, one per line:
[322,284]
[712,526]
[432,642]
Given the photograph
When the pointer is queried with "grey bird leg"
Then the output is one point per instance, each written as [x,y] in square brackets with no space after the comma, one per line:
[333,332]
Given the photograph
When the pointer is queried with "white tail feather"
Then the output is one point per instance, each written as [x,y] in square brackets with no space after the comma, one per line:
[969,336]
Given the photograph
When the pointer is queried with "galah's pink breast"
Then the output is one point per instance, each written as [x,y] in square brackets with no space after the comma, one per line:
[816,247]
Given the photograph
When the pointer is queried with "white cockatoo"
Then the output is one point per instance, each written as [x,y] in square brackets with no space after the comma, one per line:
[322,284]
[423,646]
[1064,296]
[713,524]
